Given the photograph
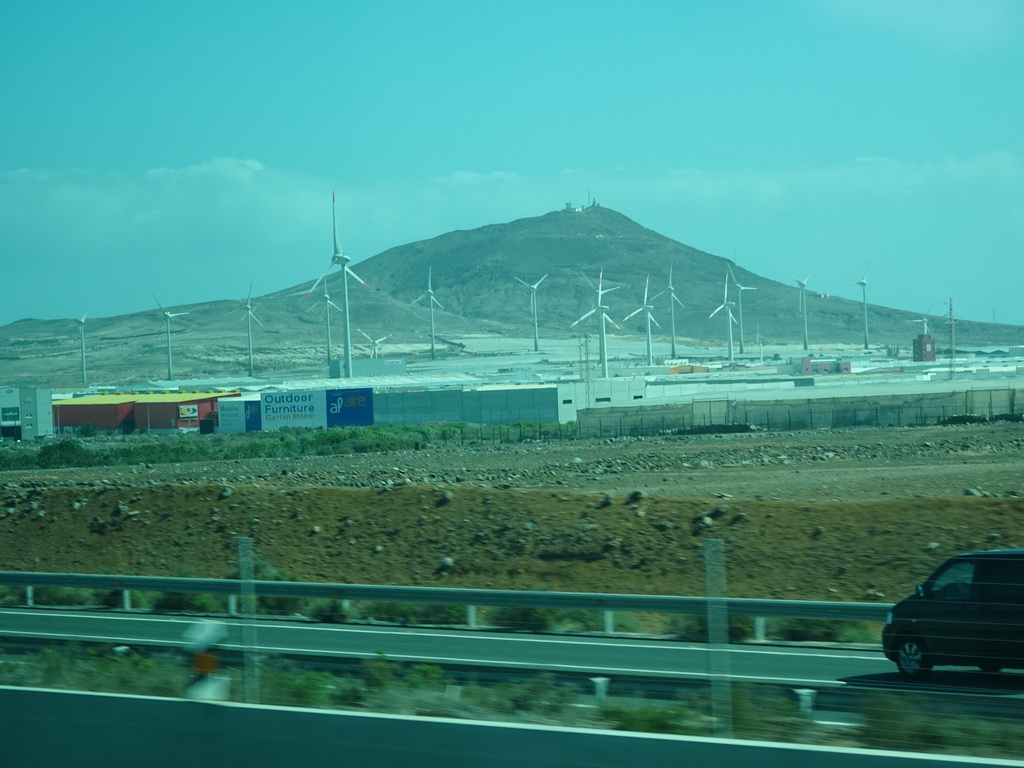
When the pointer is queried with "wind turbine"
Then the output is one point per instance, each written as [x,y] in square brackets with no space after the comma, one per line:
[374,343]
[533,309]
[431,301]
[602,319]
[673,300]
[167,323]
[646,309]
[81,338]
[727,306]
[740,289]
[338,259]
[803,304]
[249,317]
[863,283]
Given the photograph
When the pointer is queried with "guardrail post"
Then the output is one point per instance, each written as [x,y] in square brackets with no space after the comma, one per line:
[233,605]
[760,629]
[718,637]
[30,595]
[609,622]
[471,617]
[126,599]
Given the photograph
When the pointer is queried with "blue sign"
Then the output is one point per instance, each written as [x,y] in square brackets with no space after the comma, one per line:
[349,407]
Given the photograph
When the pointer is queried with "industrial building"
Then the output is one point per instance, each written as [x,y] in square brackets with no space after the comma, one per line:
[128,411]
[25,413]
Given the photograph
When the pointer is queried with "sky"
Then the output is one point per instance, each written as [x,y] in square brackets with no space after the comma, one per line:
[189,149]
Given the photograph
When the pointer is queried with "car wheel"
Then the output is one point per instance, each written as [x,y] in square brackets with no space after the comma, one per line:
[912,659]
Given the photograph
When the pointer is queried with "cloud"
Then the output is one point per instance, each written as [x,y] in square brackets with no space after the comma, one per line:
[963,25]
[204,231]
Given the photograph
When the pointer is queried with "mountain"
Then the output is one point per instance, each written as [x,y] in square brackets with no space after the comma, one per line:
[473,276]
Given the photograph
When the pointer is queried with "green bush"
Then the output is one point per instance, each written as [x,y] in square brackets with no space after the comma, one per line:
[327,611]
[65,596]
[693,627]
[379,672]
[648,717]
[810,630]
[523,618]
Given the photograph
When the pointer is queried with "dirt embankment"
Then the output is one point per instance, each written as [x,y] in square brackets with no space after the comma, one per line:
[852,515]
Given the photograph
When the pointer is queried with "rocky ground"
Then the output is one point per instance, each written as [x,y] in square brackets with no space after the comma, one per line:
[853,515]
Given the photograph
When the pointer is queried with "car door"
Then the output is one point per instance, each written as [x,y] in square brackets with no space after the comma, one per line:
[947,614]
[999,608]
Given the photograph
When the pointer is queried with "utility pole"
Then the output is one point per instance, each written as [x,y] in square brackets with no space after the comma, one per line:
[952,341]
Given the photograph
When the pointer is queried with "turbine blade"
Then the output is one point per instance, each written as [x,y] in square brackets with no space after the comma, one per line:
[634,312]
[653,320]
[357,277]
[678,300]
[539,282]
[582,317]
[716,311]
[256,319]
[616,327]
[436,302]
[319,279]
[523,282]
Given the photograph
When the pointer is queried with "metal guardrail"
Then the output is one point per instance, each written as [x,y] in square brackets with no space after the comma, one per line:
[802,609]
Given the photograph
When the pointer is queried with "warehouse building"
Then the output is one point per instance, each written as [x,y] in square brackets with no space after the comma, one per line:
[125,412]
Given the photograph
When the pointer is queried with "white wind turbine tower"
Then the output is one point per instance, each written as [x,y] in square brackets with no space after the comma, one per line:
[374,343]
[167,322]
[81,338]
[249,317]
[727,306]
[803,304]
[431,301]
[863,283]
[740,289]
[672,301]
[338,259]
[646,309]
[533,310]
[602,319]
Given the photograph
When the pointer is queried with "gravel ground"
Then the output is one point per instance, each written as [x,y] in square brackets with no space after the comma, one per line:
[853,514]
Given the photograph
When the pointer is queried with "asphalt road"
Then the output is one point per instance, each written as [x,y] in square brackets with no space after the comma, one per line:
[576,655]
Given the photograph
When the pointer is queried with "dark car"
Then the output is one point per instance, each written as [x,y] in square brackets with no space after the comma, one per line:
[969,613]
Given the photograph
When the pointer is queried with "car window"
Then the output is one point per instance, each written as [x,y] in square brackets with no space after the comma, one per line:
[1000,581]
[954,581]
